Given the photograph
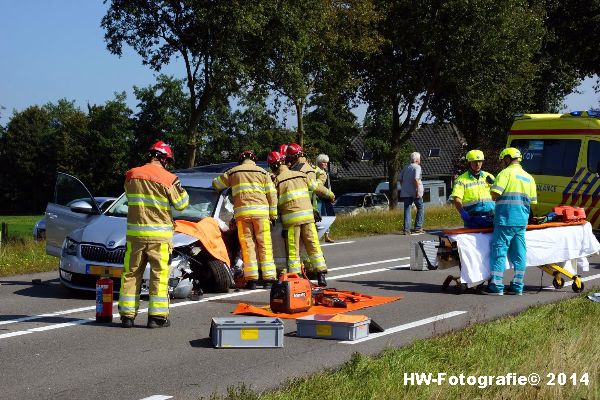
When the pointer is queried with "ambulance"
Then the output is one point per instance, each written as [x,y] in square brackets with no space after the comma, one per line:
[562,153]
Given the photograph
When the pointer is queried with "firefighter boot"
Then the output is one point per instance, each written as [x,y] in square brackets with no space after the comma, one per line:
[158,322]
[126,322]
[251,285]
[321,279]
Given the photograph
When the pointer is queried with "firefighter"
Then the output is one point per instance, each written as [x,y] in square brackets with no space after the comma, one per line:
[514,192]
[471,193]
[254,206]
[151,191]
[297,218]
[294,157]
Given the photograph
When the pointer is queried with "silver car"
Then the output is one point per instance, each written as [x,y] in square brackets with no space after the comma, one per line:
[91,242]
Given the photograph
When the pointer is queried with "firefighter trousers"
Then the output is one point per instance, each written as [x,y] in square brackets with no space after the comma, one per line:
[254,235]
[308,234]
[137,255]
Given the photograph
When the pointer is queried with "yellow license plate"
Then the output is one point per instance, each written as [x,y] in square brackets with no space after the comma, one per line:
[105,271]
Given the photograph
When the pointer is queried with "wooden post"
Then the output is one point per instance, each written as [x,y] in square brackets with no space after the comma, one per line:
[3,233]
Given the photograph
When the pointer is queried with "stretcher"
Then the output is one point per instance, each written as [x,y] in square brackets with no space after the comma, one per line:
[558,249]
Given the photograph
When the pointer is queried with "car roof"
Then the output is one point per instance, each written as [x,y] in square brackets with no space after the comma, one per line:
[217,168]
[203,175]
[359,194]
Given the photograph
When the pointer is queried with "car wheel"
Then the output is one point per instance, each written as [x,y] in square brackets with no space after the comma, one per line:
[217,278]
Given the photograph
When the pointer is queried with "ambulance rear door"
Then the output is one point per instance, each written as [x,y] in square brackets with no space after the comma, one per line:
[554,162]
[590,193]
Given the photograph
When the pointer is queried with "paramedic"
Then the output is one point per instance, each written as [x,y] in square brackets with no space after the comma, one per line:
[514,192]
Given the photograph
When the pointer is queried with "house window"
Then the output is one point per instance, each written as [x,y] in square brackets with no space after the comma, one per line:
[435,152]
[367,155]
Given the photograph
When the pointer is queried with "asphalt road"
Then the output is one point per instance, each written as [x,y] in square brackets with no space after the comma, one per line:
[50,346]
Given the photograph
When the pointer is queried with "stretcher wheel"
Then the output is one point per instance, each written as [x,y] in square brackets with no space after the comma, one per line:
[447,282]
[461,288]
[558,282]
[577,285]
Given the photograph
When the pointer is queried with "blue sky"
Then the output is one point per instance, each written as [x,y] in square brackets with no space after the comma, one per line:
[53,49]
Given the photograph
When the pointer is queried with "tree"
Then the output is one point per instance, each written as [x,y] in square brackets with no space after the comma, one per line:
[210,37]
[435,52]
[163,112]
[109,132]
[303,46]
[28,165]
[331,126]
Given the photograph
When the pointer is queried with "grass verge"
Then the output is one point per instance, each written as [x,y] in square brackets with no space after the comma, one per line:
[20,254]
[555,338]
[386,222]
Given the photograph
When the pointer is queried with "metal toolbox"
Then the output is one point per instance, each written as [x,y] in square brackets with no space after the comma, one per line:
[325,326]
[238,332]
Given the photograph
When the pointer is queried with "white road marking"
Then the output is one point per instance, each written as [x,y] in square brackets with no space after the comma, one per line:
[371,271]
[568,283]
[336,243]
[173,305]
[158,397]
[404,327]
[369,263]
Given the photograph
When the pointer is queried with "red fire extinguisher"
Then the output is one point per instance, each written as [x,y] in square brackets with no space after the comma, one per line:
[104,299]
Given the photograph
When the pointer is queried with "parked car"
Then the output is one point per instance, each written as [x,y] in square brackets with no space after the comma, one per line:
[434,192]
[39,229]
[90,242]
[354,203]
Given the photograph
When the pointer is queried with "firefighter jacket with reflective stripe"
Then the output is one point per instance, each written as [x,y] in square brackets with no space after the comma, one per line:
[293,190]
[150,191]
[517,192]
[474,192]
[304,166]
[252,189]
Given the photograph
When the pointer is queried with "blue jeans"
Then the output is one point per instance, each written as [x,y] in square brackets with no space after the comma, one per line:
[408,202]
[508,240]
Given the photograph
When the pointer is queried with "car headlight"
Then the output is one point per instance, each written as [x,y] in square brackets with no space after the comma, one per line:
[70,247]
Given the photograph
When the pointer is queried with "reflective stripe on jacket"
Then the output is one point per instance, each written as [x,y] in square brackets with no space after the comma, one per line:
[474,192]
[252,190]
[293,190]
[150,191]
[517,192]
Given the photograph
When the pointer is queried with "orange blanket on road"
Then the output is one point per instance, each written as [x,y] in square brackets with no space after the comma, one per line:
[265,311]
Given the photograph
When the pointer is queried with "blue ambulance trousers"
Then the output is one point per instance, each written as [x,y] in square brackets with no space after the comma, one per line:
[508,240]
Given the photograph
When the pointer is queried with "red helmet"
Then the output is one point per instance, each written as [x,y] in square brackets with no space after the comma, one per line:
[294,149]
[246,154]
[161,148]
[283,149]
[274,159]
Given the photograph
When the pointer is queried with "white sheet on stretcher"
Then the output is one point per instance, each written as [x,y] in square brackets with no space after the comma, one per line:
[557,245]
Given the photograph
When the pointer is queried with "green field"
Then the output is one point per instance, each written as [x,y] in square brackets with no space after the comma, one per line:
[19,253]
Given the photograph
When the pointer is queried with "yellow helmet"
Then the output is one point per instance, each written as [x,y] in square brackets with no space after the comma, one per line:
[475,155]
[512,152]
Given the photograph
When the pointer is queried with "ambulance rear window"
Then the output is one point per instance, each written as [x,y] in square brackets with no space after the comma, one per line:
[556,157]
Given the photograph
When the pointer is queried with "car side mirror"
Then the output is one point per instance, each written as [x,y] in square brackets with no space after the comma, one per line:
[83,207]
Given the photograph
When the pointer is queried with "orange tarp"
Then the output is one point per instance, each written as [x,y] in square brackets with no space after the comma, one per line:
[529,227]
[265,311]
[207,231]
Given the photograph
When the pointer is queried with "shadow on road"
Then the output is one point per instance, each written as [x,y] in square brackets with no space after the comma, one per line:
[204,343]
[399,286]
[50,289]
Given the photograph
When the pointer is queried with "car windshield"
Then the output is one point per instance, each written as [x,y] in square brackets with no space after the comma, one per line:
[349,201]
[202,204]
